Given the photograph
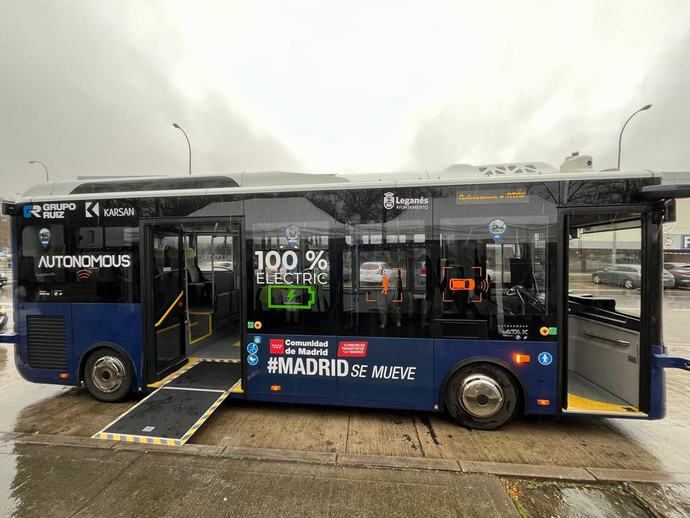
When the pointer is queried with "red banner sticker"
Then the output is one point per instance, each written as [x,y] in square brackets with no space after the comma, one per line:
[276,345]
[352,349]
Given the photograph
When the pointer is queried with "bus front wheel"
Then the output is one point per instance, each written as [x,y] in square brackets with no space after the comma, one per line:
[108,375]
[481,396]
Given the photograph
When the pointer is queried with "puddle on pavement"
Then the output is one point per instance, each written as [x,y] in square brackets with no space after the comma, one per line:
[672,501]
[17,393]
[8,472]
[563,500]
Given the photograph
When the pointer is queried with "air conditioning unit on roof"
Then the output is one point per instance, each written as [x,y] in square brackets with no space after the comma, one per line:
[577,162]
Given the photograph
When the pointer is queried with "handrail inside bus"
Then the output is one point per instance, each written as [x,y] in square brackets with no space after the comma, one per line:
[165,315]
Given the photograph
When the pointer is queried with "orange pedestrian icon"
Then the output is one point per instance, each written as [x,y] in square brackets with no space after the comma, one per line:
[385,282]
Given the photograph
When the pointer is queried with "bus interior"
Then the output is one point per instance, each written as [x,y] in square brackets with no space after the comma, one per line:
[196,292]
[604,318]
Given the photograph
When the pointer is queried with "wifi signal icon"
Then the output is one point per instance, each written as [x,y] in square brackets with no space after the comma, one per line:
[84,275]
[484,285]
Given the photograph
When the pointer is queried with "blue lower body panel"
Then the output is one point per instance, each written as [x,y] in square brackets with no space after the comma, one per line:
[87,326]
[405,373]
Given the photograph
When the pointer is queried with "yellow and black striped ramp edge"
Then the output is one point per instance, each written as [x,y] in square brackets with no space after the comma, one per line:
[171,414]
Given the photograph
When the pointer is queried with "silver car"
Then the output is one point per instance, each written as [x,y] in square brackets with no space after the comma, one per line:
[628,276]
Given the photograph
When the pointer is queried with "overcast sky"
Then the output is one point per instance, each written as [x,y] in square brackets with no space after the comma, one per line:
[92,87]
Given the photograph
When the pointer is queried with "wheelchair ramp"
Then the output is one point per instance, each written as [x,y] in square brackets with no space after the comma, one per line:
[171,414]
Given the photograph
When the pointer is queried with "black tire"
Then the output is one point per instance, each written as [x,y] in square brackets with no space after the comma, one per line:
[108,375]
[482,375]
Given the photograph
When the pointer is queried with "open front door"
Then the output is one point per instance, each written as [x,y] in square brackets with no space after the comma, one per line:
[192,282]
[164,298]
[611,279]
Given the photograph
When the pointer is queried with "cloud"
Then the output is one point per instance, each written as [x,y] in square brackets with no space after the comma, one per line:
[81,94]
[93,88]
[571,93]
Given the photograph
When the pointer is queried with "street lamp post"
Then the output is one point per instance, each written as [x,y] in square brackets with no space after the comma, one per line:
[620,137]
[176,125]
[44,167]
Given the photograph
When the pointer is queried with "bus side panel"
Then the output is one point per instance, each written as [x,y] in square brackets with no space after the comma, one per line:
[21,352]
[285,370]
[116,324]
[538,381]
[393,370]
[112,324]
[374,371]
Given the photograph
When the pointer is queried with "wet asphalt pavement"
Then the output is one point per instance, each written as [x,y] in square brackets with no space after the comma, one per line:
[97,480]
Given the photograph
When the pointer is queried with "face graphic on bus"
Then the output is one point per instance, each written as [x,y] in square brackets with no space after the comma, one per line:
[44,237]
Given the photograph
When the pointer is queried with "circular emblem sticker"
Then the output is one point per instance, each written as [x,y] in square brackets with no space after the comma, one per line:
[252,359]
[497,228]
[292,233]
[252,348]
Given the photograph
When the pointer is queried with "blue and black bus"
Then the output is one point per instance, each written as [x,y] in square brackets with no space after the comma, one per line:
[483,292]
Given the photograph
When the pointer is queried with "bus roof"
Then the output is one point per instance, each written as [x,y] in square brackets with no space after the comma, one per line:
[277,181]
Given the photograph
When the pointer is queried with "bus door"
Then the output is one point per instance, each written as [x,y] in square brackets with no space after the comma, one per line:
[163,264]
[213,298]
[610,309]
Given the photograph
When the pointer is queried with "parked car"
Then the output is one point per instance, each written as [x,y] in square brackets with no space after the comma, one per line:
[3,281]
[627,275]
[370,272]
[680,273]
[669,279]
[3,319]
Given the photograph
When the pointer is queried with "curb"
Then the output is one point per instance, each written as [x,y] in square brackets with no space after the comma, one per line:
[531,471]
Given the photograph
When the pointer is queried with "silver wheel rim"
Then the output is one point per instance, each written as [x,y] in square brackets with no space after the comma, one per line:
[628,284]
[481,396]
[108,374]
[596,279]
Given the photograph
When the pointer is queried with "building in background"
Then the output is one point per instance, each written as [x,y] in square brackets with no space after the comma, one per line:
[677,234]
[4,232]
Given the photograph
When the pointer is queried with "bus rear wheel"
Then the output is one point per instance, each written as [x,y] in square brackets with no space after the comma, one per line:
[481,396]
[108,375]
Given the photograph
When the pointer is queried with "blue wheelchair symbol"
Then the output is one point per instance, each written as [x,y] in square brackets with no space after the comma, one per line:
[252,348]
[252,359]
[545,358]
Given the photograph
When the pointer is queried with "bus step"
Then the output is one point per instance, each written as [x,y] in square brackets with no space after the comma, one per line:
[172,414]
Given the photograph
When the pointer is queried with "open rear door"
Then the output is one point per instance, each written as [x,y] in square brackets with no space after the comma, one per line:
[606,320]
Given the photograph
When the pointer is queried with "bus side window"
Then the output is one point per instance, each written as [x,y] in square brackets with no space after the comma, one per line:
[40,276]
[497,264]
